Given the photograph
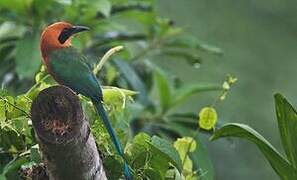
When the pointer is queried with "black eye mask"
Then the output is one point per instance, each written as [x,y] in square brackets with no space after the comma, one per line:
[68,32]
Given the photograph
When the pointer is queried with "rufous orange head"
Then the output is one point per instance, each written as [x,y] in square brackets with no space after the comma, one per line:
[58,35]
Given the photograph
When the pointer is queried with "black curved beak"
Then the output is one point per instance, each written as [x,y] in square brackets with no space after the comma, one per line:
[77,29]
[68,32]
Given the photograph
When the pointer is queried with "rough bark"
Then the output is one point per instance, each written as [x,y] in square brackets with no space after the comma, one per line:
[67,145]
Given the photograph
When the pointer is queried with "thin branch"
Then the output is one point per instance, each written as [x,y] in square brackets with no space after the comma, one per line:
[23,111]
[37,84]
[106,57]
[127,7]
[117,36]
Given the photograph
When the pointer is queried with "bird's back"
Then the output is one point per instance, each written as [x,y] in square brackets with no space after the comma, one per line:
[69,68]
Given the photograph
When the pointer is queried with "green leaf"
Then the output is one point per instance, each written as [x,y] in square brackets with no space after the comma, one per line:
[90,9]
[2,110]
[19,6]
[211,49]
[24,103]
[114,96]
[158,163]
[103,6]
[116,93]
[8,101]
[139,144]
[164,89]
[113,167]
[145,20]
[153,173]
[10,139]
[144,156]
[173,174]
[167,150]
[133,79]
[13,166]
[278,163]
[6,50]
[28,56]
[287,123]
[111,74]
[207,118]
[191,58]
[200,156]
[184,146]
[42,7]
[188,90]
[187,41]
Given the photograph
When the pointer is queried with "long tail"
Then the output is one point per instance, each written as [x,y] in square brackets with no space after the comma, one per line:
[102,113]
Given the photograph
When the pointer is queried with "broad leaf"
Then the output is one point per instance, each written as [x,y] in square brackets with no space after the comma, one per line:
[133,79]
[188,90]
[200,156]
[151,154]
[167,150]
[187,41]
[139,145]
[103,6]
[28,58]
[114,96]
[19,6]
[184,146]
[163,89]
[278,163]
[287,124]
[13,166]
[112,167]
[42,7]
[191,58]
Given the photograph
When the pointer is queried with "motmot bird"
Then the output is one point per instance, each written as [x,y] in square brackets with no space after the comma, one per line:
[68,67]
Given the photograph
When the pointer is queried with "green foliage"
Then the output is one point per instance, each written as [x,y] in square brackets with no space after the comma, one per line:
[164,90]
[27,56]
[185,146]
[286,115]
[10,170]
[157,93]
[152,157]
[167,150]
[287,123]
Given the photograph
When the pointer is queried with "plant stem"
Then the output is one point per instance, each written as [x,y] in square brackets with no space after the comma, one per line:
[189,147]
[23,111]
[116,36]
[37,84]
[106,57]
[128,7]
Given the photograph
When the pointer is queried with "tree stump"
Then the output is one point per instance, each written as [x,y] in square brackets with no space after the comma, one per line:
[65,140]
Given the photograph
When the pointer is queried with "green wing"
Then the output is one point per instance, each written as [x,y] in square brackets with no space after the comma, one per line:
[69,67]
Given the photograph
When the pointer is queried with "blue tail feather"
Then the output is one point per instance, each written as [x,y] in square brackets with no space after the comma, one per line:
[102,113]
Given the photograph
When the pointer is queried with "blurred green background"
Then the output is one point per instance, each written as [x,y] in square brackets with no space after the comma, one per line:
[259,38]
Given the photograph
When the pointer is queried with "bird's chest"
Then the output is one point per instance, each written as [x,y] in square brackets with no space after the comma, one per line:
[52,70]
